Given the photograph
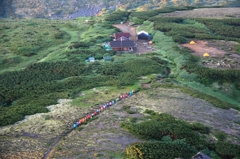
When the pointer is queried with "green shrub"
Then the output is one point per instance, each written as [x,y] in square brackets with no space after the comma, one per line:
[199,127]
[185,76]
[117,17]
[47,117]
[79,44]
[156,129]
[150,112]
[227,150]
[128,109]
[79,128]
[237,48]
[170,150]
[237,85]
[58,35]
[221,136]
[179,39]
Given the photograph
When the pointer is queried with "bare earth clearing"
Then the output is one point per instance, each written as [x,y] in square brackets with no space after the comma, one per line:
[221,53]
[200,47]
[207,13]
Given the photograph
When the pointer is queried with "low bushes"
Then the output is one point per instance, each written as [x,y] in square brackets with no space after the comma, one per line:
[171,138]
[227,150]
[171,150]
[117,17]
[208,75]
[21,92]
[162,125]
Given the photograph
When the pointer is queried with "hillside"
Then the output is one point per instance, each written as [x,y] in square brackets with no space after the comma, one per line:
[71,9]
[183,102]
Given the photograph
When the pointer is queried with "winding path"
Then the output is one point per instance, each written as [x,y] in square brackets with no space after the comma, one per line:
[48,153]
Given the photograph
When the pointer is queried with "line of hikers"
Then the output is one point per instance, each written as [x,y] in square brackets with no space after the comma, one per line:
[102,108]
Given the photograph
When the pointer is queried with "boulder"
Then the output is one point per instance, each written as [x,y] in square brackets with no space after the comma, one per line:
[200,155]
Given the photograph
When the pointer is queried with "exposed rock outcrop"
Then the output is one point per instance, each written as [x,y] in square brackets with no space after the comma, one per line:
[70,9]
[200,155]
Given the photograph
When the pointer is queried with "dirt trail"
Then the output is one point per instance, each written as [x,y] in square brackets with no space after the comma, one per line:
[129,29]
[49,152]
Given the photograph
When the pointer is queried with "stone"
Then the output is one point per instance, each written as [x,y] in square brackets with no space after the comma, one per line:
[200,155]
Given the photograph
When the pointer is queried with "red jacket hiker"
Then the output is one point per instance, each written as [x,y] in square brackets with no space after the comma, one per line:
[88,117]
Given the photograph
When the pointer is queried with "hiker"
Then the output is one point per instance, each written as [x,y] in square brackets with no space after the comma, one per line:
[112,102]
[95,113]
[105,105]
[80,121]
[130,93]
[117,100]
[88,116]
[74,126]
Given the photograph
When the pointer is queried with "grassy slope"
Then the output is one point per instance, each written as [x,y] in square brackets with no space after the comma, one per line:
[51,49]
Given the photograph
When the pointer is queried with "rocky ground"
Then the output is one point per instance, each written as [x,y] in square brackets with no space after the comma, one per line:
[207,13]
[103,137]
[183,106]
[36,133]
[70,9]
